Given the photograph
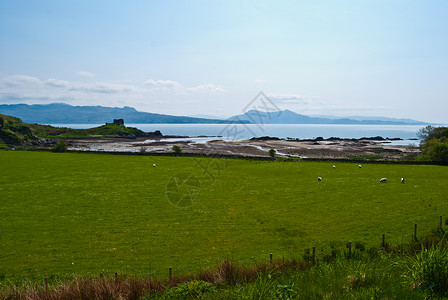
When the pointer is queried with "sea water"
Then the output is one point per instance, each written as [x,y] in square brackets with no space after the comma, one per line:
[301,131]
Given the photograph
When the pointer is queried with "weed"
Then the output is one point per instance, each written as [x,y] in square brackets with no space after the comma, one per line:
[194,289]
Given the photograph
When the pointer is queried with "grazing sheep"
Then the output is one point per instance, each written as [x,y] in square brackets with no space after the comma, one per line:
[403,180]
[360,166]
[383,180]
[319,178]
[334,167]
[153,165]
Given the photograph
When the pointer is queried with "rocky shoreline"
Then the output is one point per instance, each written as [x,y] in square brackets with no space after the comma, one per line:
[371,148]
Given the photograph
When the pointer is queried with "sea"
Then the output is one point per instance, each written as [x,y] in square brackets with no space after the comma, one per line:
[235,132]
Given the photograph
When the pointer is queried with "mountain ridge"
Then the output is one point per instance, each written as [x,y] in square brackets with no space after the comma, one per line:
[62,113]
[290,117]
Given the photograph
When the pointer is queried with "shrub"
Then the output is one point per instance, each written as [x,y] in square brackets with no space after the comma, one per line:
[194,289]
[10,137]
[60,147]
[272,153]
[177,149]
[436,149]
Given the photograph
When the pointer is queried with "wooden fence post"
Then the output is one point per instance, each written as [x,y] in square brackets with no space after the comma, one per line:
[270,258]
[314,255]
[46,284]
[383,244]
[415,231]
[116,277]
[171,273]
[350,249]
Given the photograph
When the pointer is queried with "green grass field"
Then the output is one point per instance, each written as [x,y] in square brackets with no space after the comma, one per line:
[65,214]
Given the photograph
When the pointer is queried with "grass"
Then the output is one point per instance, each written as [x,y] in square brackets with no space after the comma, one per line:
[75,214]
[418,272]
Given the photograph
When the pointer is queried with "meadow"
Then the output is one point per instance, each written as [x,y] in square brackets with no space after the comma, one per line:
[80,214]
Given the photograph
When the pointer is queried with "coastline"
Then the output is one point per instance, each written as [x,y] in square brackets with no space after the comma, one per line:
[371,148]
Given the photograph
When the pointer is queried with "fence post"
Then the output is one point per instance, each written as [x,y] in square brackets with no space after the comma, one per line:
[270,258]
[314,255]
[415,231]
[350,249]
[383,244]
[116,277]
[171,273]
[46,284]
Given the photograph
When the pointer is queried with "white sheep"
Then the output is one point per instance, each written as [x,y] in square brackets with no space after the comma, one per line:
[383,180]
[153,165]
[334,167]
[319,178]
[403,180]
[360,166]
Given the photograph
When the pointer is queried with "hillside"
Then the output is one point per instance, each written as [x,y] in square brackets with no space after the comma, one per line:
[15,132]
[59,113]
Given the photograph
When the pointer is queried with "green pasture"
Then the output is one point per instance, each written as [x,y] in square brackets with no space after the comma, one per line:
[65,214]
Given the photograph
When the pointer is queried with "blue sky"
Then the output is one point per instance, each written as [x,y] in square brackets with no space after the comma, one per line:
[342,58]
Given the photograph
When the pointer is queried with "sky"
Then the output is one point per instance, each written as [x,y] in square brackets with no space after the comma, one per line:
[340,58]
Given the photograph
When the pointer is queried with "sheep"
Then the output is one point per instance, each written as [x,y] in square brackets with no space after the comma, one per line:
[383,180]
[360,166]
[403,180]
[153,165]
[334,167]
[319,178]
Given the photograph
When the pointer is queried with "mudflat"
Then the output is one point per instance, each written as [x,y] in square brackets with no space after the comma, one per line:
[257,147]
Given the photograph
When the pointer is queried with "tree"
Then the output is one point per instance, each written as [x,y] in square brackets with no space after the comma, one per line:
[434,143]
[177,149]
[430,132]
[60,147]
[436,150]
[272,153]
[440,152]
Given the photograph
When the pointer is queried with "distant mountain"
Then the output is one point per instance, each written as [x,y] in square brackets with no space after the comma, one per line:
[59,113]
[290,117]
[378,118]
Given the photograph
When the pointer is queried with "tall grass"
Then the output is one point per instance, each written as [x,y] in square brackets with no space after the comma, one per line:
[401,271]
[428,270]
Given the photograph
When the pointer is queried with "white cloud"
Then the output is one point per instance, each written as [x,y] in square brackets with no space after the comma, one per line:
[15,98]
[163,84]
[57,83]
[96,87]
[21,80]
[104,87]
[173,85]
[294,99]
[206,88]
[318,105]
[85,74]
